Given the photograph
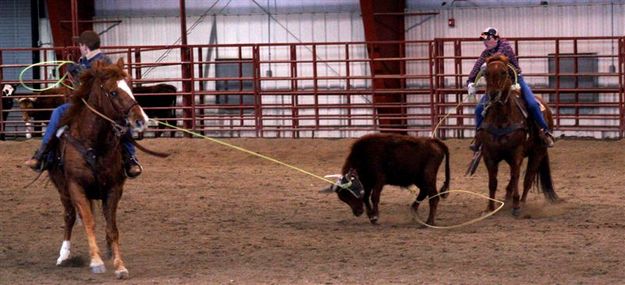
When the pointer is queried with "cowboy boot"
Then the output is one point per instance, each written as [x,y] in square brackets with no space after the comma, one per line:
[547,138]
[35,162]
[132,166]
[475,144]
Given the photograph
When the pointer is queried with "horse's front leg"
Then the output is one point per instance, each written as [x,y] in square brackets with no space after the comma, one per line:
[109,208]
[83,206]
[493,168]
[513,185]
[70,219]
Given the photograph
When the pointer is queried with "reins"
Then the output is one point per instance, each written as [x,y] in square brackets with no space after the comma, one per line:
[118,129]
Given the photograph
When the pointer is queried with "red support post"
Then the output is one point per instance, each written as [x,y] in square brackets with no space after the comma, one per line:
[378,28]
[187,98]
[1,107]
[294,110]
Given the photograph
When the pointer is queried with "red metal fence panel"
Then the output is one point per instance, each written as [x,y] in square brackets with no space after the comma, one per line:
[325,89]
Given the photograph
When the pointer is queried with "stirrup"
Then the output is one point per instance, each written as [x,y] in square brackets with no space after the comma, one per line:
[475,147]
[34,164]
[547,138]
[130,163]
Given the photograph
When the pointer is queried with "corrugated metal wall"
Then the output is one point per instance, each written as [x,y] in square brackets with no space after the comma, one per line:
[255,28]
[550,21]
[15,31]
[536,21]
[162,28]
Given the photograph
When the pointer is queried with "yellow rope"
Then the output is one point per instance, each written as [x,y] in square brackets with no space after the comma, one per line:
[330,181]
[433,134]
[465,223]
[58,63]
[246,151]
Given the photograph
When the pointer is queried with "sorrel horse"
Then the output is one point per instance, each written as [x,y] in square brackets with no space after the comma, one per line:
[90,157]
[507,134]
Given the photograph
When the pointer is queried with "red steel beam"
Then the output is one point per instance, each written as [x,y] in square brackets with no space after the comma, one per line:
[187,100]
[380,29]
[67,26]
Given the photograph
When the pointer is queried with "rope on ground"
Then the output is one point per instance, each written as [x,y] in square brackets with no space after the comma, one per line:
[433,135]
[416,216]
[330,181]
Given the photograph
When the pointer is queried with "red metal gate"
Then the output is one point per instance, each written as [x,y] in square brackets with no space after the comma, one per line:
[325,89]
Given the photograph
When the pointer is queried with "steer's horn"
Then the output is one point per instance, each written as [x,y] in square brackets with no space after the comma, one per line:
[336,176]
[327,190]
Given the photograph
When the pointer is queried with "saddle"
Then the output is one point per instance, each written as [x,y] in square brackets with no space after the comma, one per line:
[518,102]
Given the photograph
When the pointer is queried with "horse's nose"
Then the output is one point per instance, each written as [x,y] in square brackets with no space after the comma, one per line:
[140,124]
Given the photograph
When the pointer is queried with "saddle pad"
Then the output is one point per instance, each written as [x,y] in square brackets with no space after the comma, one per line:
[540,104]
[542,107]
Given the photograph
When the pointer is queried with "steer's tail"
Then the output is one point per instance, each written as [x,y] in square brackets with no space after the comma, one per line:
[445,186]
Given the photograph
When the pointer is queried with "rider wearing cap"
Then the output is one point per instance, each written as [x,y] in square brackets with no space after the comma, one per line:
[495,45]
[89,44]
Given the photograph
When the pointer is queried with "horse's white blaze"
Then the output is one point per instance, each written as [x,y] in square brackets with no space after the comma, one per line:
[64,252]
[124,86]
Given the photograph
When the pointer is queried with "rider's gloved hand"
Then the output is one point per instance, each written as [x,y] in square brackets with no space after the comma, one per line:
[472,90]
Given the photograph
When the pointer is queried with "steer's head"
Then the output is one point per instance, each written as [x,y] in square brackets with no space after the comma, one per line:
[350,190]
[8,89]
[25,104]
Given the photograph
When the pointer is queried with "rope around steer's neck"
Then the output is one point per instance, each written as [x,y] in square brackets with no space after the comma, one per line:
[325,179]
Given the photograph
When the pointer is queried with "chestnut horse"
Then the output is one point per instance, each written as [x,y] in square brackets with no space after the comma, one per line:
[90,157]
[507,134]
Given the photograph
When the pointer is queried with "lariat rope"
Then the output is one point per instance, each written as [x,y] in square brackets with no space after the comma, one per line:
[344,186]
[61,81]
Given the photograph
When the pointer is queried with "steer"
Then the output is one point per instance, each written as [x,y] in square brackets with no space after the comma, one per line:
[7,103]
[32,107]
[391,159]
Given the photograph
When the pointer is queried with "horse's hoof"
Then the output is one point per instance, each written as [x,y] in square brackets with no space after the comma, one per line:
[121,273]
[64,257]
[373,220]
[98,268]
[516,212]
[61,260]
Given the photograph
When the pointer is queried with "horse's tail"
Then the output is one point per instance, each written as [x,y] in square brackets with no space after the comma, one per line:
[445,186]
[545,180]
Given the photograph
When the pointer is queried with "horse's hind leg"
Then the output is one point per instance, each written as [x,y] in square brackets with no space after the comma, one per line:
[112,233]
[83,206]
[70,219]
[530,175]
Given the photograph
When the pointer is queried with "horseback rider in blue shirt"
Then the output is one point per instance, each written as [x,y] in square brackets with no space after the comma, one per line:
[89,44]
[495,45]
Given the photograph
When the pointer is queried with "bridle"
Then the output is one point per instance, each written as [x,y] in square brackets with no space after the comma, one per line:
[497,98]
[118,129]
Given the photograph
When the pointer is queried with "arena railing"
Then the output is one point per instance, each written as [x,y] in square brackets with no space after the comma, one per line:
[327,90]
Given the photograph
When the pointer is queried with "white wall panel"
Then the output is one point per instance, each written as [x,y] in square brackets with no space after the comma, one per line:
[551,21]
[254,28]
[535,21]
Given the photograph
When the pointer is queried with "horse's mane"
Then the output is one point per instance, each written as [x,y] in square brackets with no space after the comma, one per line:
[97,74]
[498,57]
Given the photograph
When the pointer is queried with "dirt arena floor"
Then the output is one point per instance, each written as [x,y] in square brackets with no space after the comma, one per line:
[213,215]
